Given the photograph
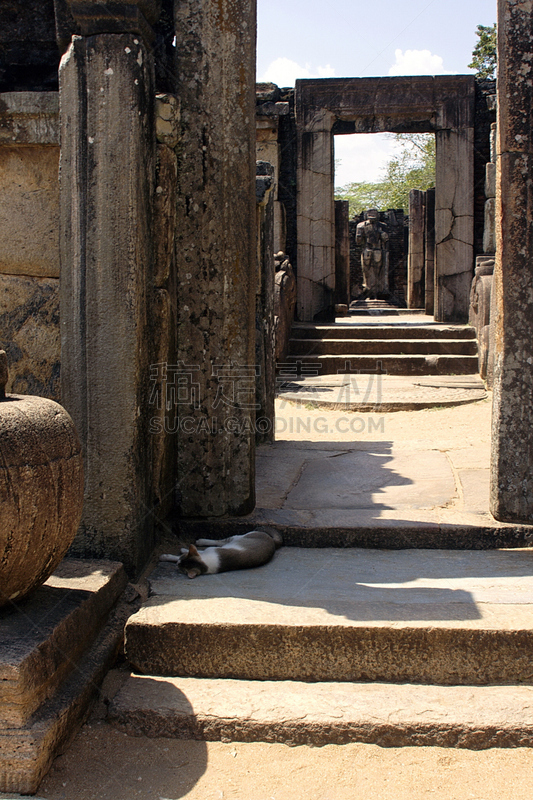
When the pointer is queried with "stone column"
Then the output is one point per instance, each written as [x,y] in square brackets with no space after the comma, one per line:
[429,251]
[316,220]
[216,247]
[512,432]
[454,222]
[342,252]
[416,258]
[264,304]
[107,174]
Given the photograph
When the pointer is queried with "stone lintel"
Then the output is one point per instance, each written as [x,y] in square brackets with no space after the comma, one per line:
[29,118]
[414,98]
[92,17]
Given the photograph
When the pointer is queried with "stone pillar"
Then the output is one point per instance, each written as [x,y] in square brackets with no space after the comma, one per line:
[316,220]
[429,252]
[416,257]
[107,174]
[342,252]
[454,222]
[264,304]
[512,432]
[489,230]
[216,246]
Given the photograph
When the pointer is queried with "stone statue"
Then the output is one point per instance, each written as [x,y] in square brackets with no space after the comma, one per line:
[372,236]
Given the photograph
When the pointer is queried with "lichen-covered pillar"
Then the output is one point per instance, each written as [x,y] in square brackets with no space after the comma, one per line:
[216,256]
[316,218]
[342,251]
[429,250]
[416,258]
[454,221]
[512,432]
[107,175]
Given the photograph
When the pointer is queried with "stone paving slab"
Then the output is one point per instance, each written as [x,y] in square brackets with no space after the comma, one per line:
[319,714]
[381,393]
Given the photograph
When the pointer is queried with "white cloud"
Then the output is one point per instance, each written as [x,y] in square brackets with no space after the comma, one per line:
[284,72]
[417,62]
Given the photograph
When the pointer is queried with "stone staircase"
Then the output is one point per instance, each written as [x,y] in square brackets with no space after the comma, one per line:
[409,647]
[394,349]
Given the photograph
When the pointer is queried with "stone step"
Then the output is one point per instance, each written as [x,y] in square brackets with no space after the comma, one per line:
[317,364]
[297,713]
[366,347]
[423,617]
[303,330]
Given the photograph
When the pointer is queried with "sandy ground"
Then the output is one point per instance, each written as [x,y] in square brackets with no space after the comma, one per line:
[105,764]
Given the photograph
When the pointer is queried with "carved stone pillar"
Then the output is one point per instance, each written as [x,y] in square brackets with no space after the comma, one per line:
[216,247]
[454,214]
[416,259]
[316,221]
[342,252]
[512,433]
[429,251]
[107,175]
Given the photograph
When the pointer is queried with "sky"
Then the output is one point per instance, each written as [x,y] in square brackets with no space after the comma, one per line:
[355,39]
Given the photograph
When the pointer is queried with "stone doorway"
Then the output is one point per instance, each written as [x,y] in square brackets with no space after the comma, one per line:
[326,107]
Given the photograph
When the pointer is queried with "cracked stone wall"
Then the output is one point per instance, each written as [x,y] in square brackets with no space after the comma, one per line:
[29,241]
[512,443]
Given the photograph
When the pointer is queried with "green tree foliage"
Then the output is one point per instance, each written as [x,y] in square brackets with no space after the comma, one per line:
[484,54]
[413,168]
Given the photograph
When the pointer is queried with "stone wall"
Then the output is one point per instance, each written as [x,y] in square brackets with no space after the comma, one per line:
[29,241]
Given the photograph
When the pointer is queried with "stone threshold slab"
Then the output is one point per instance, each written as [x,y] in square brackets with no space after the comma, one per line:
[368,529]
[44,635]
[318,714]
[433,616]
[229,637]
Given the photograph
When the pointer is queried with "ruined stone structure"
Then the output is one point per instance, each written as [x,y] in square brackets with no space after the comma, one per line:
[171,308]
[364,105]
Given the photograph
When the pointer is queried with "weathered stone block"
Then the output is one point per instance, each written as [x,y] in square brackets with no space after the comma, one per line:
[29,213]
[489,230]
[490,180]
[29,118]
[167,119]
[29,333]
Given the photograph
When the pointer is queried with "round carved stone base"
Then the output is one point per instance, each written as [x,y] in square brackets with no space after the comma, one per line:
[41,490]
